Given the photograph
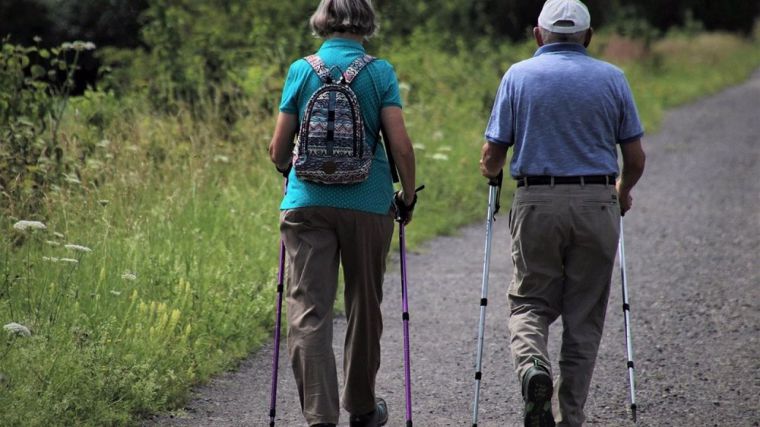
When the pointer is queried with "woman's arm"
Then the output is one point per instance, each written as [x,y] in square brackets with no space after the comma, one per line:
[400,144]
[281,147]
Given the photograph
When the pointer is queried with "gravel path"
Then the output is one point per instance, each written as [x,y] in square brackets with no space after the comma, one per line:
[692,244]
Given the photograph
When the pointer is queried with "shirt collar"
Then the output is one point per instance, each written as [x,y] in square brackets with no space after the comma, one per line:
[561,47]
[341,43]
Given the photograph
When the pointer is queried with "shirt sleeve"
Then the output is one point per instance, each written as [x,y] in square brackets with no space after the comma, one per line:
[391,97]
[630,127]
[500,128]
[289,101]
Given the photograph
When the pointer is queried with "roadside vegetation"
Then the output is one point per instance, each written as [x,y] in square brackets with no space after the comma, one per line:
[139,220]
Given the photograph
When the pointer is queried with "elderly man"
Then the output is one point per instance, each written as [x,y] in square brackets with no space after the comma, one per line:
[565,114]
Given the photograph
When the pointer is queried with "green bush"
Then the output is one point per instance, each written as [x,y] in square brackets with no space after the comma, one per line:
[35,84]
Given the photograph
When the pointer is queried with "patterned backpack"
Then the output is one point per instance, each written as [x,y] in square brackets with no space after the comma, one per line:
[331,146]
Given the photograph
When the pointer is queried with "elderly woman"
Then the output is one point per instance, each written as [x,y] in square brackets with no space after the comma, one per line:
[324,225]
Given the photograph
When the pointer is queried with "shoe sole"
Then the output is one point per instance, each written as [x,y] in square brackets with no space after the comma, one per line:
[538,412]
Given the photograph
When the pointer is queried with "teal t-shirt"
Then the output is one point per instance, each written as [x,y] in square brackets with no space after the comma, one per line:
[376,87]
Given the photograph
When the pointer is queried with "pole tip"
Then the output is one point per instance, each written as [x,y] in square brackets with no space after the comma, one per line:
[633,412]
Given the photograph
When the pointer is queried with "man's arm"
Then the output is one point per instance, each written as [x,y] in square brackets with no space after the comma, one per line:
[492,160]
[634,160]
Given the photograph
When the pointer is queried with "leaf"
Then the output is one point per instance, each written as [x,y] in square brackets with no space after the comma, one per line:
[37,71]
[44,53]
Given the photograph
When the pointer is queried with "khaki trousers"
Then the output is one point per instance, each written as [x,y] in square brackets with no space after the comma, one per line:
[316,240]
[564,241]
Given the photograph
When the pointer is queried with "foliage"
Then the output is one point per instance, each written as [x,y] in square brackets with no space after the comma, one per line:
[32,102]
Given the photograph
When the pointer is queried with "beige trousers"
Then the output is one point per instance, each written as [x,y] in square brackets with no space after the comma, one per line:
[316,240]
[564,241]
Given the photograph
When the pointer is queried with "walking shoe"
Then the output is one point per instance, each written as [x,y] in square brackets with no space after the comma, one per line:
[378,417]
[537,393]
[323,425]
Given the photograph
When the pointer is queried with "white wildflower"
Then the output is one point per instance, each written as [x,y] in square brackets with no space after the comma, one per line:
[17,329]
[444,148]
[221,158]
[25,225]
[129,276]
[69,260]
[50,258]
[419,146]
[117,293]
[52,243]
[438,135]
[79,248]
[439,156]
[58,235]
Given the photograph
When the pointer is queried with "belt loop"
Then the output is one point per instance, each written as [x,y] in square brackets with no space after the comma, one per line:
[551,178]
[583,181]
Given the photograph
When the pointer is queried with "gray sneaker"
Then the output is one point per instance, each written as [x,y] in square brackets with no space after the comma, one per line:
[378,417]
[537,393]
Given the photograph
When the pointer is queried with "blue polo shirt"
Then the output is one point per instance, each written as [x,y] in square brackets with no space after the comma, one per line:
[376,87]
[564,113]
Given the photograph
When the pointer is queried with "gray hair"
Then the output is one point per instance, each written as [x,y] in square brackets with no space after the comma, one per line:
[344,16]
[551,37]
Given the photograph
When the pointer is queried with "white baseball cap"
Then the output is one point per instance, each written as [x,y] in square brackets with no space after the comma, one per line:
[564,16]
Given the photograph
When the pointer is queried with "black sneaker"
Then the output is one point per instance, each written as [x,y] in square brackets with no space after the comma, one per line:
[323,425]
[378,417]
[537,393]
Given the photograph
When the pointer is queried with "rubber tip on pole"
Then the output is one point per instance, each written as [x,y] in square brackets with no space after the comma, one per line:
[404,316]
[626,307]
[484,302]
[271,424]
[408,423]
[478,375]
[633,412]
[630,364]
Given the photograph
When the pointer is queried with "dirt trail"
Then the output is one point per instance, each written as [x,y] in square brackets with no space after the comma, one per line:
[692,245]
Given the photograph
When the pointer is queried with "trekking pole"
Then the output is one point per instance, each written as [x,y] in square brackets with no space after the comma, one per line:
[276,355]
[405,318]
[627,321]
[494,190]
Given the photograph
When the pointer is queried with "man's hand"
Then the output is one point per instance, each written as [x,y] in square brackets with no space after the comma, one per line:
[625,199]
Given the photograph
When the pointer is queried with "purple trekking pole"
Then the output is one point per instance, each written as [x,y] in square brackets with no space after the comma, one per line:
[405,316]
[276,355]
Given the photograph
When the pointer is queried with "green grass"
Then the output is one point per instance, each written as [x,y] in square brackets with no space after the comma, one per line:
[181,217]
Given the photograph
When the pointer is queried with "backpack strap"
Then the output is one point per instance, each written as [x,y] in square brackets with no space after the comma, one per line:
[356,66]
[319,67]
